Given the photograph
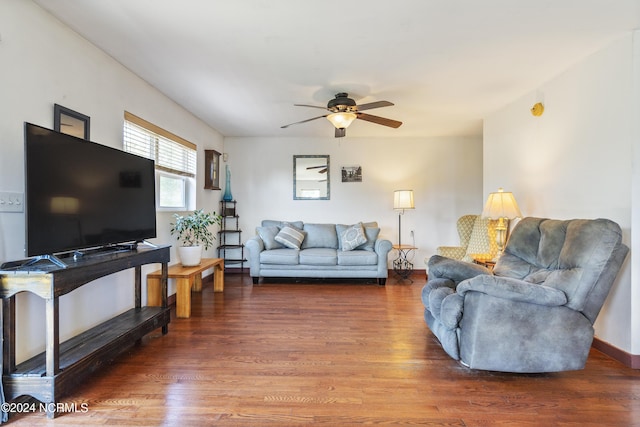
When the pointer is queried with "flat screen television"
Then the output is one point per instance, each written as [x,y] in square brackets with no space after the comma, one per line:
[80,194]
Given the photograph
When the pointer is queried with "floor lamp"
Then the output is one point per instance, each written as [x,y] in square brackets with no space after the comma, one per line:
[402,199]
[503,207]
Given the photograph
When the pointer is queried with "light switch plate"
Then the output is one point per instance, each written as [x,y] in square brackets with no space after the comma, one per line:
[11,201]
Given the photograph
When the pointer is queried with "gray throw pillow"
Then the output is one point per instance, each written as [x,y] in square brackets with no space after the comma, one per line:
[372,235]
[353,237]
[290,237]
[268,236]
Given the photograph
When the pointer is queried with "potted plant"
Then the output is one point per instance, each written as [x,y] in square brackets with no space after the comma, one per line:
[193,234]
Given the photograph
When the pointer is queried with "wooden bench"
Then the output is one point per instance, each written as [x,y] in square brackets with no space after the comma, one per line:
[187,278]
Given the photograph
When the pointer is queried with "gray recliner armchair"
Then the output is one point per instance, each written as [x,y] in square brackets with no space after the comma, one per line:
[535,311]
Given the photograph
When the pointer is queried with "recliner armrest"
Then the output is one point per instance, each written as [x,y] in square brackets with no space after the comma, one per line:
[513,290]
[453,269]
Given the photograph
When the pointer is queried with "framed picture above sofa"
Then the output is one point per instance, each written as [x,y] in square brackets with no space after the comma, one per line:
[352,174]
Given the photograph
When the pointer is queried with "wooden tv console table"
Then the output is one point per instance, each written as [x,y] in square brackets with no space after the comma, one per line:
[61,367]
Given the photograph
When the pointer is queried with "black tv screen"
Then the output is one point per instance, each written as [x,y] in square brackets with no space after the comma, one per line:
[80,194]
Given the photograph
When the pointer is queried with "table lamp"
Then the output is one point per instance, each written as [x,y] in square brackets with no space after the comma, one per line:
[402,199]
[501,206]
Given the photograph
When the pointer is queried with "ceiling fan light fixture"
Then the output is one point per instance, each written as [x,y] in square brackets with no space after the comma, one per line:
[341,120]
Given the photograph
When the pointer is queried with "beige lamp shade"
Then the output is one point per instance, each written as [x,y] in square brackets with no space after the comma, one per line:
[403,199]
[501,204]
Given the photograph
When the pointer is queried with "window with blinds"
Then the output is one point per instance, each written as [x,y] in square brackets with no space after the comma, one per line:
[170,152]
[175,161]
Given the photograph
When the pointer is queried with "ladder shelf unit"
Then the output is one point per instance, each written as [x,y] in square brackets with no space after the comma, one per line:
[231,248]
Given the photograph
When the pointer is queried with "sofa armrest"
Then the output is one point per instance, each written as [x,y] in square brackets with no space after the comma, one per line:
[513,290]
[382,247]
[254,246]
[453,269]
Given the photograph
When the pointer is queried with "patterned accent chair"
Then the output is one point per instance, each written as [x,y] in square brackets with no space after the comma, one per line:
[477,240]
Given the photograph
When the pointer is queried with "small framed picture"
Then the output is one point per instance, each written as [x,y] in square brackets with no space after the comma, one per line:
[70,122]
[352,174]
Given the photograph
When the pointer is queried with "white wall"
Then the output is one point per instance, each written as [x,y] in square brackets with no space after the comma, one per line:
[445,174]
[42,62]
[634,330]
[576,161]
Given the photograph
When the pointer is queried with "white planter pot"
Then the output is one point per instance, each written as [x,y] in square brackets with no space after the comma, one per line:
[190,255]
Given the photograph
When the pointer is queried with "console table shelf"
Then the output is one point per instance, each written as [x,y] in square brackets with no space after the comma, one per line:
[55,372]
[133,324]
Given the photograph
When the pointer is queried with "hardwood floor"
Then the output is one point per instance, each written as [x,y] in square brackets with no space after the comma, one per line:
[336,354]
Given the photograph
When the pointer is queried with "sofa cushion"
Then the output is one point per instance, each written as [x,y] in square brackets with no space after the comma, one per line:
[280,256]
[318,256]
[357,257]
[268,236]
[280,224]
[290,237]
[320,236]
[352,237]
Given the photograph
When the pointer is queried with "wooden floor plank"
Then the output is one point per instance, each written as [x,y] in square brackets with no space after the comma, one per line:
[336,354]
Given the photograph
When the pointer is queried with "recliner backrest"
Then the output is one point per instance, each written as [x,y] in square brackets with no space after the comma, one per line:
[579,257]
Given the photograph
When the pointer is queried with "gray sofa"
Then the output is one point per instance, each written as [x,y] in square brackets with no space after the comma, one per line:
[535,311]
[296,249]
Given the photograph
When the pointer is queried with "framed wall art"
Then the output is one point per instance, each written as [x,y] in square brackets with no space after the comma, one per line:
[211,170]
[352,174]
[70,122]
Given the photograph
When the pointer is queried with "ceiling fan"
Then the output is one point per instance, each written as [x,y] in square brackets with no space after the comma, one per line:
[344,110]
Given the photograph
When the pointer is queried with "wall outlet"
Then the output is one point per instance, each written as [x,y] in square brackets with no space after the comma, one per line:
[11,201]
[412,236]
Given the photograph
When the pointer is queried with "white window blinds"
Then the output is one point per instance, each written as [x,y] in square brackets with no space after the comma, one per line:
[170,152]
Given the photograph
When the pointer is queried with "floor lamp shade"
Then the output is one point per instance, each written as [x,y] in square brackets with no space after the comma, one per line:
[402,199]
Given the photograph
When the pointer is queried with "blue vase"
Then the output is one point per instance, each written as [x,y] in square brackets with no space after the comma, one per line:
[227,197]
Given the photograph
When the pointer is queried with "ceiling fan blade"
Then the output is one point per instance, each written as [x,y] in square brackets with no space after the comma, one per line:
[316,167]
[376,104]
[379,120]
[312,106]
[340,132]
[303,121]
